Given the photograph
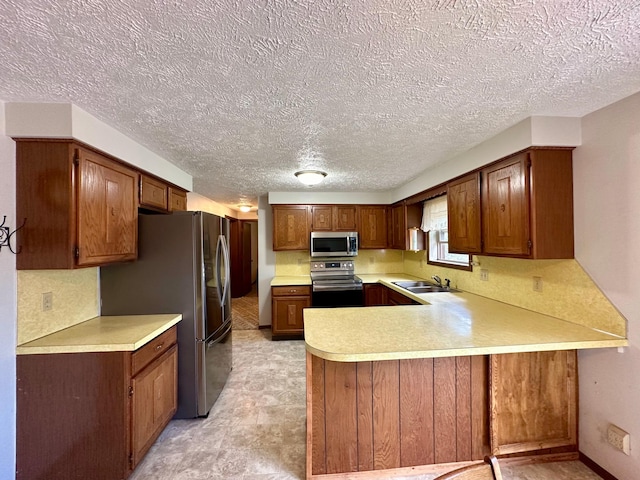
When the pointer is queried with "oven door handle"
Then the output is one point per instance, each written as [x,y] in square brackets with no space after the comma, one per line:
[335,288]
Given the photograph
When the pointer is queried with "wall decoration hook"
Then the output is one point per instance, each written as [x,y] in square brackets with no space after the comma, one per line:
[6,234]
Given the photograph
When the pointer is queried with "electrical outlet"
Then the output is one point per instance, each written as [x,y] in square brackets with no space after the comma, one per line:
[484,274]
[618,438]
[47,301]
[537,284]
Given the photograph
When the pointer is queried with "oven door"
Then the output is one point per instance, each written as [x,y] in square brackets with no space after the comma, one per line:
[337,296]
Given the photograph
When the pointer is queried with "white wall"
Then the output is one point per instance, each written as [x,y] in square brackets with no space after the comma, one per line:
[8,315]
[266,260]
[607,226]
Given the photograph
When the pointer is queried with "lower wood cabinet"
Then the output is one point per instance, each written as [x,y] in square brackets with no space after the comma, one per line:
[375,294]
[287,303]
[93,415]
[533,401]
[397,298]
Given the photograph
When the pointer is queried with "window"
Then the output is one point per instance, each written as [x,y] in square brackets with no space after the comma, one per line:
[434,223]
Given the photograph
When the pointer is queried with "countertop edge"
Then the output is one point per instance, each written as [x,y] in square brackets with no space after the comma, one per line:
[463,352]
[98,348]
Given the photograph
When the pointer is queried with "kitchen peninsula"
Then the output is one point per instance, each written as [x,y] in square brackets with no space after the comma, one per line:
[425,388]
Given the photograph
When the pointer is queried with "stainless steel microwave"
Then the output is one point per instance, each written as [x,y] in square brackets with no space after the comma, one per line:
[334,244]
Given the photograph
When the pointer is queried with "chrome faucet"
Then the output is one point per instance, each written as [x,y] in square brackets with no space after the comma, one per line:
[437,279]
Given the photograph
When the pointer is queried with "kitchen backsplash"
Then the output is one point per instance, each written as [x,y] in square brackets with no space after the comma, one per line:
[75,299]
[567,291]
[367,261]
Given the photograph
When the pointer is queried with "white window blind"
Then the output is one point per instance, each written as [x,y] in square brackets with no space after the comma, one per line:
[434,215]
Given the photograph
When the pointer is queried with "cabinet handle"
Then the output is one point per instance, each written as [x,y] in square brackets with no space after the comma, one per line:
[159,347]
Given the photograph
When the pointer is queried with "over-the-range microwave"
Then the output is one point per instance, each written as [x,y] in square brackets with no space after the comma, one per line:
[334,244]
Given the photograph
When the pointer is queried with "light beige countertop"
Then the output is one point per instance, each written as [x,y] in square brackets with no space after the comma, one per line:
[446,325]
[103,334]
[284,280]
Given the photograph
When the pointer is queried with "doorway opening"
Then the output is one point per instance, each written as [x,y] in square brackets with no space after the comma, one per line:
[243,243]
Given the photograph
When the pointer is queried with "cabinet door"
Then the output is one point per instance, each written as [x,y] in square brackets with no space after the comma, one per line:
[287,314]
[505,207]
[463,205]
[154,402]
[177,200]
[153,193]
[375,295]
[533,401]
[322,218]
[107,210]
[397,228]
[345,218]
[291,227]
[396,298]
[373,226]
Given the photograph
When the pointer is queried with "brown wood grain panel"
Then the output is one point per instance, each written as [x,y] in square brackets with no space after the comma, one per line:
[463,408]
[153,193]
[177,200]
[316,439]
[444,424]
[416,412]
[341,425]
[45,197]
[479,407]
[552,203]
[365,415]
[72,416]
[386,415]
[463,196]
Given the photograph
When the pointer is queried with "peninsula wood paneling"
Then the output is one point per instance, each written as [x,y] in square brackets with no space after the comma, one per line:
[399,413]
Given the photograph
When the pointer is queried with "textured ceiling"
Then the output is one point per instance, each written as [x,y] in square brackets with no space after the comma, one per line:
[242,93]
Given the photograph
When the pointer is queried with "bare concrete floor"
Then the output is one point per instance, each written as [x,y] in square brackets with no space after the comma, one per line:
[256,429]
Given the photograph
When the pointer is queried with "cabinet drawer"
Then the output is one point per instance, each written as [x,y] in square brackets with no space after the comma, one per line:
[291,290]
[156,347]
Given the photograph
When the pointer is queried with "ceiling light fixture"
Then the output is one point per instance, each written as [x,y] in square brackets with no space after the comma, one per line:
[310,177]
[244,208]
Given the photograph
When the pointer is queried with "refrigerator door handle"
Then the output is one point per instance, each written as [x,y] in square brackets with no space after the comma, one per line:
[227,269]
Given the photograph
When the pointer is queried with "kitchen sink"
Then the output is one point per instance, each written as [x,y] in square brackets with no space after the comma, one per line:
[422,286]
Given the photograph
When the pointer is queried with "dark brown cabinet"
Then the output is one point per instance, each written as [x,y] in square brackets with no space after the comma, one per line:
[375,295]
[402,217]
[527,205]
[333,218]
[397,298]
[93,415]
[520,206]
[463,208]
[287,304]
[291,227]
[80,206]
[373,226]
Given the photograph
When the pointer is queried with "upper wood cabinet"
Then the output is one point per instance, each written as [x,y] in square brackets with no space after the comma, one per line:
[521,206]
[291,227]
[373,226]
[397,227]
[333,218]
[177,200]
[463,208]
[153,193]
[157,195]
[80,206]
[527,205]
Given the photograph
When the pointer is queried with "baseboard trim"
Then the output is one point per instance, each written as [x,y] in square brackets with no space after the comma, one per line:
[595,467]
[260,327]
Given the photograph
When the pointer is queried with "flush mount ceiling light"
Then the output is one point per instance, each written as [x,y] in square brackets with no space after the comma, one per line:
[310,177]
[244,208]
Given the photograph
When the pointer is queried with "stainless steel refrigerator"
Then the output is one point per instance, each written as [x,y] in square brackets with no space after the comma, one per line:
[182,267]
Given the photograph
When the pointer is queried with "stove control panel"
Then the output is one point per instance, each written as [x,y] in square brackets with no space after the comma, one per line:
[342,266]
